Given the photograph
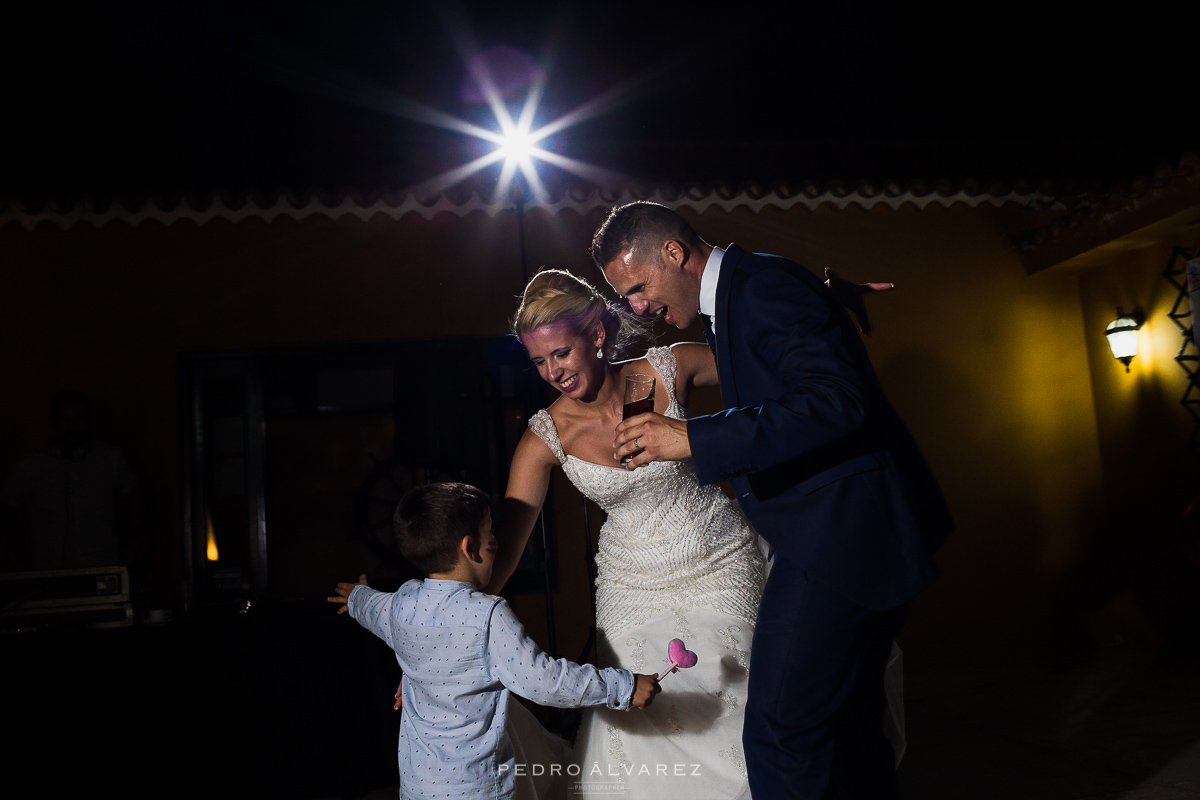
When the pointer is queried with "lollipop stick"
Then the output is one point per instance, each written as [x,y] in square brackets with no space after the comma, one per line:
[674,666]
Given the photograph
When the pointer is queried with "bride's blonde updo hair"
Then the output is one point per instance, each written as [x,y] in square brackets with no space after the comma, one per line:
[555,295]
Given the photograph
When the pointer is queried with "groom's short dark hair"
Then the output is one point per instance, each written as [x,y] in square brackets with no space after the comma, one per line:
[635,225]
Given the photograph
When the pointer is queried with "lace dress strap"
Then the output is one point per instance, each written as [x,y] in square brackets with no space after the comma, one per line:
[543,425]
[663,361]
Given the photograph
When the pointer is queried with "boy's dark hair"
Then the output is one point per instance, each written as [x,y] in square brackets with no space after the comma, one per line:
[431,520]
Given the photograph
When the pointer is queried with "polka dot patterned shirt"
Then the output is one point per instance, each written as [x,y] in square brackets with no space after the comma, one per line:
[462,652]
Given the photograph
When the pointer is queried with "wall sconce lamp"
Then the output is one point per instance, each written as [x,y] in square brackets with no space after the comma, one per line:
[1122,335]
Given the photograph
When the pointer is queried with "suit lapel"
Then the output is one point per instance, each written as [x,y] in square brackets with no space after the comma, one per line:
[733,254]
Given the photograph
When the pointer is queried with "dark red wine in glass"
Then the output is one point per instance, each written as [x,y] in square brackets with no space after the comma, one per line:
[638,407]
[639,399]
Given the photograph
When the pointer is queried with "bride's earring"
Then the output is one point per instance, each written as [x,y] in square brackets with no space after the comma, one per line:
[600,351]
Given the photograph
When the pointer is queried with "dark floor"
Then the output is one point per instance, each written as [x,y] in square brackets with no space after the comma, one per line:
[1122,724]
[295,702]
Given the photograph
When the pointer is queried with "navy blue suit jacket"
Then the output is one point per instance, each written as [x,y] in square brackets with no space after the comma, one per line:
[823,466]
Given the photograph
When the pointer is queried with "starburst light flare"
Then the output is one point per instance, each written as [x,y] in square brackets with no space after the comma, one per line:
[517,140]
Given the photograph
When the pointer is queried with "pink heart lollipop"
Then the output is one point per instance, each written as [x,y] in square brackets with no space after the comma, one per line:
[680,657]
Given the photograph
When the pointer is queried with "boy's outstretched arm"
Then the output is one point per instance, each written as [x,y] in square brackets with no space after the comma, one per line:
[518,663]
[343,598]
[343,593]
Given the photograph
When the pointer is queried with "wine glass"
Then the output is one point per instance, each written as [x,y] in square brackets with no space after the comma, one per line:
[639,399]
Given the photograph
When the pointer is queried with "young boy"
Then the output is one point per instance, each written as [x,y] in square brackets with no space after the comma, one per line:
[463,651]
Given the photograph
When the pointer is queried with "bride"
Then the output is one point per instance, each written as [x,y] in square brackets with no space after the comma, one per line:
[676,560]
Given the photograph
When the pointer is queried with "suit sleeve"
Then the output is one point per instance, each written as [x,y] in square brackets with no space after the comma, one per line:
[799,339]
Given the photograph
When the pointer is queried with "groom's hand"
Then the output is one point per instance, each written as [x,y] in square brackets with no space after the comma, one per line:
[651,437]
[851,296]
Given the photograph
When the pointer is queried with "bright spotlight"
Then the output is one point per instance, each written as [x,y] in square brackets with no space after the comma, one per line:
[517,145]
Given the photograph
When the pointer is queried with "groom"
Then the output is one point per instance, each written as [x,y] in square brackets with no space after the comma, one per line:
[826,472]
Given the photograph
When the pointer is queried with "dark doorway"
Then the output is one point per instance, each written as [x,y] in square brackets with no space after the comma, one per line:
[296,456]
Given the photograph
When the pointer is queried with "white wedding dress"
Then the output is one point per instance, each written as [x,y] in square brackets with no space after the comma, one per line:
[676,560]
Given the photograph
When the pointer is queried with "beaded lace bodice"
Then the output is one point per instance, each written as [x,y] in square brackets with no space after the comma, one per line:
[669,543]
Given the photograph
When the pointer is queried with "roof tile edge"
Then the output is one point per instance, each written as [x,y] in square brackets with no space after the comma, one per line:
[366,205]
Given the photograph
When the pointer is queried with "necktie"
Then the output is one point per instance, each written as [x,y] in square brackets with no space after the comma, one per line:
[708,332]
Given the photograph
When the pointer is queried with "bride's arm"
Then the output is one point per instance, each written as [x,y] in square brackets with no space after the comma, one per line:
[528,482]
[695,367]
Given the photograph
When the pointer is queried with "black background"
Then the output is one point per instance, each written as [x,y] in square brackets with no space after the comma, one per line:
[136,100]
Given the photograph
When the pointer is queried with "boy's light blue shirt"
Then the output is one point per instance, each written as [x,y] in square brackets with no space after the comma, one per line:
[461,652]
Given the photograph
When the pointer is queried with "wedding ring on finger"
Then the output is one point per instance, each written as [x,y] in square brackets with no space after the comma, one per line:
[636,446]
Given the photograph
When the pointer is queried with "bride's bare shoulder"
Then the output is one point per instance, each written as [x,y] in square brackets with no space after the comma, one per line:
[637,366]
[563,412]
[695,366]
[558,409]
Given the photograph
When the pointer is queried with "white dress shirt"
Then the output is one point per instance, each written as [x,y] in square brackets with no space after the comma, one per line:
[708,285]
